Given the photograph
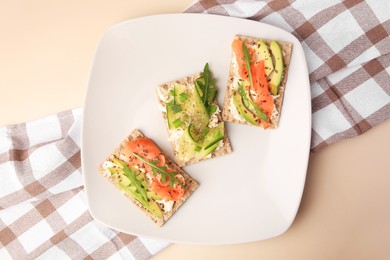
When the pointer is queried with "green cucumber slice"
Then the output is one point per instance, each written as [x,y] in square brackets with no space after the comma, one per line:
[214,135]
[196,111]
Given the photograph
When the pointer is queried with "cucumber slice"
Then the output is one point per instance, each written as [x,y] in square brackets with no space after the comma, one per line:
[210,149]
[214,135]
[187,146]
[196,111]
[194,135]
[175,120]
[203,142]
[198,139]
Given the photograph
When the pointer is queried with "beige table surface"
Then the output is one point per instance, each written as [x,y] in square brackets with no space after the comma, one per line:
[46,50]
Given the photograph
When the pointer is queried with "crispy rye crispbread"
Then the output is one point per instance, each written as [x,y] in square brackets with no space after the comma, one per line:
[188,81]
[191,184]
[226,111]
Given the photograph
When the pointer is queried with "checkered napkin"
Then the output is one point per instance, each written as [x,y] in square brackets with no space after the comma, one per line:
[347,47]
[43,210]
[43,213]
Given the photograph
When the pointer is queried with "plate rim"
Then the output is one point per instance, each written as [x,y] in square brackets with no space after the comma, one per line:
[83,131]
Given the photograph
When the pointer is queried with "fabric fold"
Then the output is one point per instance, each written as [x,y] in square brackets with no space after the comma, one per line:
[43,209]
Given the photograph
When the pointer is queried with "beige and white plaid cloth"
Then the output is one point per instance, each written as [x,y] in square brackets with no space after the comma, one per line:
[43,213]
[347,47]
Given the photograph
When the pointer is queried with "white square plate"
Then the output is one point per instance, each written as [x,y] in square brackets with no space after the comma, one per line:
[248,195]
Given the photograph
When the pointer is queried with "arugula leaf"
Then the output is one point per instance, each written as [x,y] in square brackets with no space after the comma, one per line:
[206,75]
[247,59]
[206,85]
[162,170]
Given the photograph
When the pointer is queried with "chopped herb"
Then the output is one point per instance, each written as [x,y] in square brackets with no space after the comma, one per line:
[183,97]
[177,123]
[172,104]
[197,148]
[176,108]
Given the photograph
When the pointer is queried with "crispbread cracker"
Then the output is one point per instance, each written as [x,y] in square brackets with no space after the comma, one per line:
[191,184]
[187,81]
[227,115]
